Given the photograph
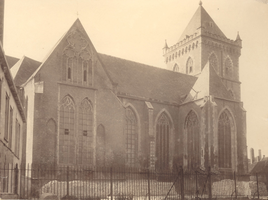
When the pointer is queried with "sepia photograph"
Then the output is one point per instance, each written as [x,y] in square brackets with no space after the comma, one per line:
[133,100]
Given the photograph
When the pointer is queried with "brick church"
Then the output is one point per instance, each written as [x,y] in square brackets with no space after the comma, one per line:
[85,108]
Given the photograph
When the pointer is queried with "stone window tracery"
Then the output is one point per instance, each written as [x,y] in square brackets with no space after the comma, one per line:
[162,142]
[77,60]
[67,141]
[193,140]
[85,133]
[224,141]
[131,134]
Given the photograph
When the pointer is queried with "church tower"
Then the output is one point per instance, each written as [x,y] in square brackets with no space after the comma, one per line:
[203,41]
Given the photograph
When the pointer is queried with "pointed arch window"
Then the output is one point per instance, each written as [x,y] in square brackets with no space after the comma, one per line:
[85,133]
[100,145]
[193,140]
[213,62]
[228,68]
[162,142]
[67,135]
[176,68]
[189,66]
[224,141]
[131,134]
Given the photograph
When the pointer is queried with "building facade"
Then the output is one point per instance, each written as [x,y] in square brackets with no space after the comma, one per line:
[93,109]
[12,133]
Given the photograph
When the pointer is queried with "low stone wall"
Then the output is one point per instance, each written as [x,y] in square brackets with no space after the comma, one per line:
[226,187]
[127,188]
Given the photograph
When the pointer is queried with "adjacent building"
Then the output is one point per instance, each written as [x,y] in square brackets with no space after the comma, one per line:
[12,132]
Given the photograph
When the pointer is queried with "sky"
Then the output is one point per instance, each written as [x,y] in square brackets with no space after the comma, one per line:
[137,29]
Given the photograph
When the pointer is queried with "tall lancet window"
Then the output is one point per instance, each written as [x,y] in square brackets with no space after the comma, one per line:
[85,133]
[214,62]
[228,68]
[189,66]
[69,68]
[224,136]
[162,142]
[85,75]
[193,140]
[67,135]
[131,134]
[90,73]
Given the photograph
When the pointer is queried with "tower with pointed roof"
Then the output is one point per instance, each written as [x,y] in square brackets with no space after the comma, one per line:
[203,41]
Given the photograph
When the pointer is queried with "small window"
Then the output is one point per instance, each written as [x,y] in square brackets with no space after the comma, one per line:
[84,132]
[85,75]
[66,131]
[69,73]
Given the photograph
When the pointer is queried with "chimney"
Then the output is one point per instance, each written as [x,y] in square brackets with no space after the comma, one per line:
[2,6]
[252,155]
[259,158]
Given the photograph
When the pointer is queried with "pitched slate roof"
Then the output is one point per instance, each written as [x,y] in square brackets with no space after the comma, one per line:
[260,167]
[208,83]
[201,19]
[23,69]
[145,81]
[11,61]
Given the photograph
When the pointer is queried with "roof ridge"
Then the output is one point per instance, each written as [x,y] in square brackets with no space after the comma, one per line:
[147,65]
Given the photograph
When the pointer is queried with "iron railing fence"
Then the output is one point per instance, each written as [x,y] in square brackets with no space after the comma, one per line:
[122,183]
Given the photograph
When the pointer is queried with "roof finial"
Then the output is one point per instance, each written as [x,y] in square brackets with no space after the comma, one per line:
[166,46]
[200,3]
[238,36]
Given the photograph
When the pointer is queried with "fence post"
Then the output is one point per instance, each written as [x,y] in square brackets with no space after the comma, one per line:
[182,183]
[196,185]
[149,195]
[209,184]
[67,181]
[16,175]
[235,185]
[111,181]
[257,186]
